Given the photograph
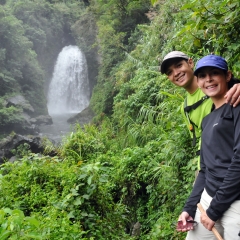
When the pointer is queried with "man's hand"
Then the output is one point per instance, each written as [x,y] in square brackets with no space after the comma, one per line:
[206,221]
[183,226]
[233,95]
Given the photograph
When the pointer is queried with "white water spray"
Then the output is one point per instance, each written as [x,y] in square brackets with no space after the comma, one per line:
[69,88]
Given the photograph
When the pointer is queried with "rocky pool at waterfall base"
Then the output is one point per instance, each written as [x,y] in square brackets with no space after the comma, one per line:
[60,128]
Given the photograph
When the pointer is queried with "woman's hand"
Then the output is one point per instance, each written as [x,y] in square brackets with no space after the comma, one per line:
[206,221]
[183,225]
[233,95]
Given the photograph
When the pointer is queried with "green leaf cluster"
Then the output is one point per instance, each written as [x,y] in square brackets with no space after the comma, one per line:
[70,200]
[116,20]
[14,225]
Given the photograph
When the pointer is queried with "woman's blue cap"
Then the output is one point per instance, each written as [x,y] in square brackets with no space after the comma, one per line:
[211,61]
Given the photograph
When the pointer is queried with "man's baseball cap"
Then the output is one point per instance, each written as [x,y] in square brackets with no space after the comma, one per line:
[211,61]
[169,56]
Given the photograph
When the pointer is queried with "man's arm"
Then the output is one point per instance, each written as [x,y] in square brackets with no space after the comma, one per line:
[233,95]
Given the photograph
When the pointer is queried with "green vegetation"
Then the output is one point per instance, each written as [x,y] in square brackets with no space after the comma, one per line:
[135,162]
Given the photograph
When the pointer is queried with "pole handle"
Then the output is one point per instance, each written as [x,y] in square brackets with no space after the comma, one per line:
[214,230]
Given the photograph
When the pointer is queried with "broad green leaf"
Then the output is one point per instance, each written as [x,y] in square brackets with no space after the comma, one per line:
[33,235]
[4,234]
[77,201]
[33,221]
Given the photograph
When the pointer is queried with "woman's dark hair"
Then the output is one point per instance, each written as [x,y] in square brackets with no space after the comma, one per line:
[233,81]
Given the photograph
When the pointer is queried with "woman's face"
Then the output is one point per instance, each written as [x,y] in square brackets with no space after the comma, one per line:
[213,81]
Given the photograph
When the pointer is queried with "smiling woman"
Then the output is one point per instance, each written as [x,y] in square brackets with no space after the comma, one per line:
[217,185]
[213,82]
[213,77]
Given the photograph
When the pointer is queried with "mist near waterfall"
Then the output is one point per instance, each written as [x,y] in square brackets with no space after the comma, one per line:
[69,90]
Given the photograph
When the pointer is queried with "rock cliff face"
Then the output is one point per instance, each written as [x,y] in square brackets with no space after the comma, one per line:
[83,117]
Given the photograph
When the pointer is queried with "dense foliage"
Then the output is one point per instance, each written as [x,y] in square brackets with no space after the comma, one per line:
[135,163]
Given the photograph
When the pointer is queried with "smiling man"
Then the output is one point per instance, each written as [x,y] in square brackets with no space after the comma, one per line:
[179,69]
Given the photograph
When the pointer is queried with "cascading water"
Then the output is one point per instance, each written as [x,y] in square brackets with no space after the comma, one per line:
[68,93]
[69,87]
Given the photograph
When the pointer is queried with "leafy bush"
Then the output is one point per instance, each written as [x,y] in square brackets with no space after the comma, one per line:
[63,196]
[10,115]
[14,225]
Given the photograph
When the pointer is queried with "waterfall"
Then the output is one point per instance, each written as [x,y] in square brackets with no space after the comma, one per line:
[69,87]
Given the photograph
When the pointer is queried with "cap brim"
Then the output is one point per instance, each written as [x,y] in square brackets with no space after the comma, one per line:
[214,66]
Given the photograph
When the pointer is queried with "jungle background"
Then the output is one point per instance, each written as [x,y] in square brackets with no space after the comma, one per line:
[127,174]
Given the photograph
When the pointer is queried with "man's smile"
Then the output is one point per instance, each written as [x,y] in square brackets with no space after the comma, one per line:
[181,78]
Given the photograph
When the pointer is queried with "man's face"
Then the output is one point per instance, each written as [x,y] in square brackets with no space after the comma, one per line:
[180,71]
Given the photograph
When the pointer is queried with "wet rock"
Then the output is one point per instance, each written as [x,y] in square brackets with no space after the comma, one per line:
[20,101]
[136,229]
[85,116]
[27,123]
[42,120]
[14,141]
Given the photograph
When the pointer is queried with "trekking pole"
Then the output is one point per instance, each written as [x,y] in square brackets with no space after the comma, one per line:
[214,230]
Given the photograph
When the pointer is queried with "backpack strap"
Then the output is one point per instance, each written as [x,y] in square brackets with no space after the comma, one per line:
[195,105]
[187,110]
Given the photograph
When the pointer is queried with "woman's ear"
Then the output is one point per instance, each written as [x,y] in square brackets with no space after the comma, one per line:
[229,75]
